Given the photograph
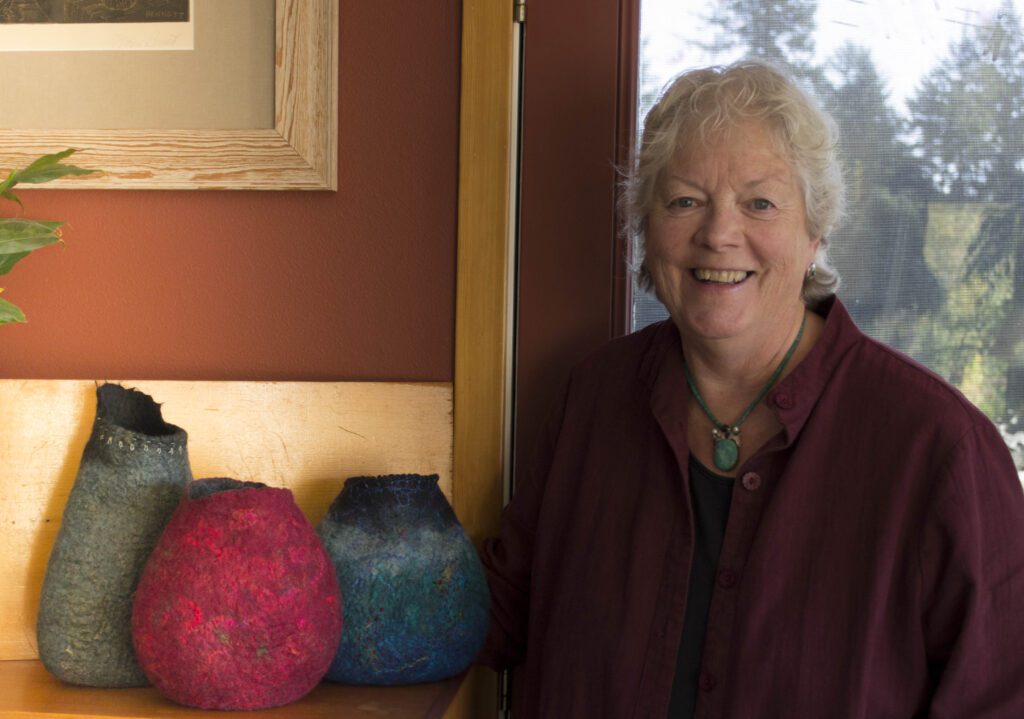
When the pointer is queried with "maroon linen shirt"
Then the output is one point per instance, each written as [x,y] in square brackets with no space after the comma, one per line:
[873,564]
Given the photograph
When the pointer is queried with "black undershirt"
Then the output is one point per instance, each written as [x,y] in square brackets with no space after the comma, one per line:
[711,494]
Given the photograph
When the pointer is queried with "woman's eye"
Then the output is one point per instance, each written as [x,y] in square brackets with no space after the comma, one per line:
[761,204]
[682,203]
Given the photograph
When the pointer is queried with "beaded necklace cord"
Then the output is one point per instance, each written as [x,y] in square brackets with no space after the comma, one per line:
[726,438]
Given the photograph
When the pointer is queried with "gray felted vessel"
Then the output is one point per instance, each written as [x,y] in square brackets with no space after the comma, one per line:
[133,474]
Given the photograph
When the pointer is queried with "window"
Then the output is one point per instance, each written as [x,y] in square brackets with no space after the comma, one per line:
[929,96]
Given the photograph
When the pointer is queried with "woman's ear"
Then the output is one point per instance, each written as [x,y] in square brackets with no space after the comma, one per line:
[815,244]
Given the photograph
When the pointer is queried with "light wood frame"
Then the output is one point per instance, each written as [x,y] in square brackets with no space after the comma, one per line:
[299,153]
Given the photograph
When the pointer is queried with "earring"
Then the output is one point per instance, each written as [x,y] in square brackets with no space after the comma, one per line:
[812,272]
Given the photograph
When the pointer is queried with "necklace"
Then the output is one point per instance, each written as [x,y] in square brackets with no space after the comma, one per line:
[726,437]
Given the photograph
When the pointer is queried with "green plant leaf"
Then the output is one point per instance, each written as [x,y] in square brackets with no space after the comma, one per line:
[51,159]
[8,183]
[7,262]
[10,313]
[41,164]
[44,169]
[53,172]
[18,236]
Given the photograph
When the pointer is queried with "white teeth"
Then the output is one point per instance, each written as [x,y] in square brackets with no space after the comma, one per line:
[725,276]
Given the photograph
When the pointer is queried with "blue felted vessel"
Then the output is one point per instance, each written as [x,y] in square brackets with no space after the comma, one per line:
[416,599]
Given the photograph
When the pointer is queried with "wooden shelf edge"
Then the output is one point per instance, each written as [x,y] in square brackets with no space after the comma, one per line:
[27,690]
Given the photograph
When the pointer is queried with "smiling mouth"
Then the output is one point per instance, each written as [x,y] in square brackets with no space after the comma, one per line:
[722,277]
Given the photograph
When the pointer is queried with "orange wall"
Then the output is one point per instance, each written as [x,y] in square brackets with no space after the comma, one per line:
[357,284]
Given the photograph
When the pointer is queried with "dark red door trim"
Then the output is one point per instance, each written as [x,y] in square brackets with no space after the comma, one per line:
[579,88]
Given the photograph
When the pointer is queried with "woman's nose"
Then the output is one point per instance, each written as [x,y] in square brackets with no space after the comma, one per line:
[720,228]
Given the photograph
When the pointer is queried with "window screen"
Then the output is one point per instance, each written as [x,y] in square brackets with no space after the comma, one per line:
[929,96]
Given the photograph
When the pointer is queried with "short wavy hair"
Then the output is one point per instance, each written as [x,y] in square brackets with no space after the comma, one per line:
[699,103]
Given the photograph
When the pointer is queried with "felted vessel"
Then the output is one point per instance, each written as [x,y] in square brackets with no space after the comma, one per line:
[133,472]
[416,599]
[238,607]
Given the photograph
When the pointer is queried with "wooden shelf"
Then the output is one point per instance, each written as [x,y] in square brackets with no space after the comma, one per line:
[28,690]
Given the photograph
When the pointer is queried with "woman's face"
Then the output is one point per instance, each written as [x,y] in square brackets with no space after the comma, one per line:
[727,239]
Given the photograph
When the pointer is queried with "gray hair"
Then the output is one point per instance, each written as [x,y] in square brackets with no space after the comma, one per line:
[699,103]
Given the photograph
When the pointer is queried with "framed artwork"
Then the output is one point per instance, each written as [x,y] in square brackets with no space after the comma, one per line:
[295,149]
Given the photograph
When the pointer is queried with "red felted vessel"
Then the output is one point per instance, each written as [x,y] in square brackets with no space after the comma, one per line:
[238,606]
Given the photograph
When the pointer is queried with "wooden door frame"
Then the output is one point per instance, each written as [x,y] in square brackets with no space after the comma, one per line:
[483,328]
[484,332]
[483,307]
[482,304]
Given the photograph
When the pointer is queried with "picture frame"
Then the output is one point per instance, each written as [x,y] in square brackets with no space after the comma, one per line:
[299,153]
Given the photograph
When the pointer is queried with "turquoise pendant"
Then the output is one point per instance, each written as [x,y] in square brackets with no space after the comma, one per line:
[727,454]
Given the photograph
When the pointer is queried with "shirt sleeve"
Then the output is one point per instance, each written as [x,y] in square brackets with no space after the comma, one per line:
[972,569]
[508,558]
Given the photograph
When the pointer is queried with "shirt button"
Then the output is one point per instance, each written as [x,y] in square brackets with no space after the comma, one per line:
[727,579]
[706,681]
[784,400]
[751,481]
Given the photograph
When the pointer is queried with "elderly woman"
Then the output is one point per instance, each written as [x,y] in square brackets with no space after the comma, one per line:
[753,509]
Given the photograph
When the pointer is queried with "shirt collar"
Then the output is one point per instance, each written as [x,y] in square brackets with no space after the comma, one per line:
[791,400]
[794,397]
